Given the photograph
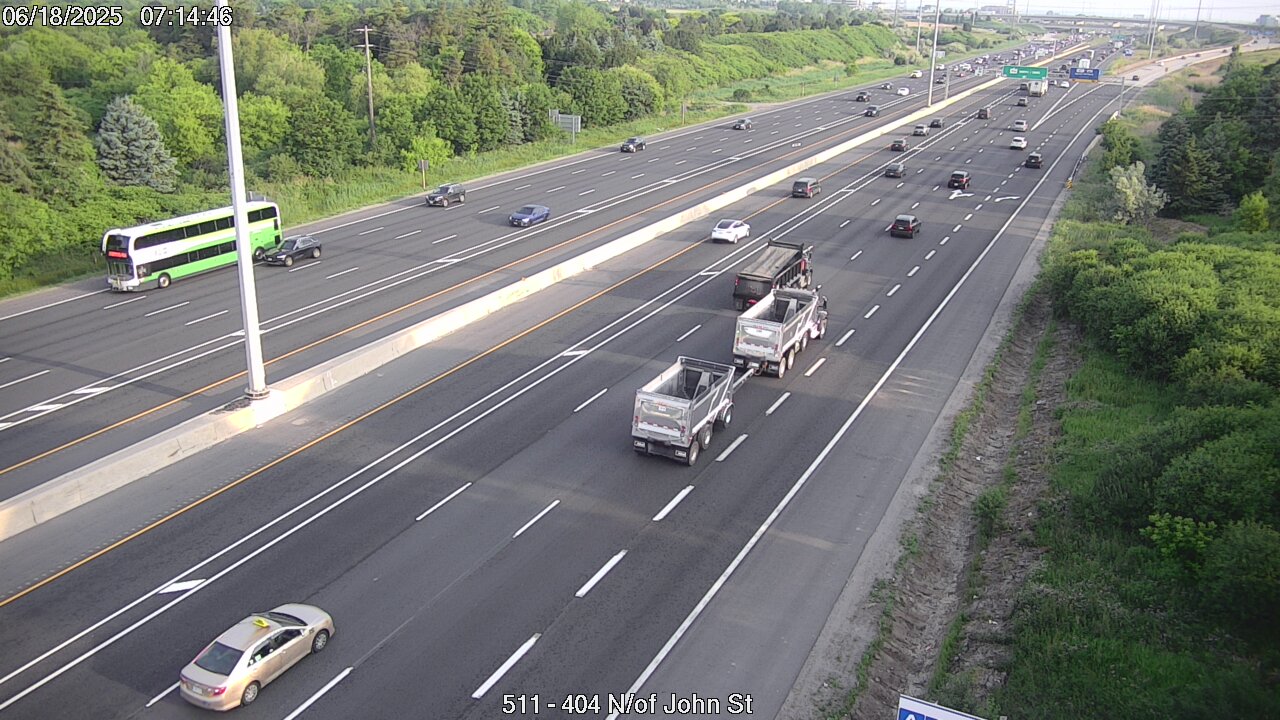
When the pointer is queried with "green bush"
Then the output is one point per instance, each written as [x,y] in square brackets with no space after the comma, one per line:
[1240,580]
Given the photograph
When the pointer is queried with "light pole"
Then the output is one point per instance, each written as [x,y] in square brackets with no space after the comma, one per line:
[933,51]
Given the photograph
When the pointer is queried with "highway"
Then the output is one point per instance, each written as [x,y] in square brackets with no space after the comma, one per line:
[473,517]
[85,375]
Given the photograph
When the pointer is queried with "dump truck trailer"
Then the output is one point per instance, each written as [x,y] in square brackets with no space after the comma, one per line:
[770,333]
[1036,88]
[781,264]
[675,412]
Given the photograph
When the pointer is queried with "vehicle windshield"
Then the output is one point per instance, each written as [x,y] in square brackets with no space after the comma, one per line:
[442,190]
[219,658]
[632,141]
[903,220]
[289,245]
[724,224]
[527,210]
[957,176]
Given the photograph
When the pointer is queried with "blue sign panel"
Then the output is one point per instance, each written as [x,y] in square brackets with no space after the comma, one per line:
[1091,75]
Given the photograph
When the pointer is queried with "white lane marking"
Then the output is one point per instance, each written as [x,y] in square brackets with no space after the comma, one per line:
[182,586]
[664,147]
[871,312]
[812,370]
[1003,182]
[845,337]
[919,170]
[681,162]
[207,317]
[523,187]
[940,157]
[366,232]
[855,255]
[698,137]
[536,518]
[979,207]
[781,399]
[559,187]
[52,304]
[713,152]
[15,382]
[653,160]
[319,693]
[449,237]
[497,674]
[636,177]
[440,504]
[956,228]
[893,290]
[447,261]
[875,202]
[695,147]
[575,172]
[775,132]
[846,222]
[744,142]
[160,697]
[608,173]
[489,209]
[573,353]
[5,360]
[90,390]
[1008,197]
[1010,176]
[123,302]
[935,188]
[411,232]
[344,272]
[929,255]
[913,207]
[913,270]
[666,510]
[690,331]
[968,217]
[591,399]
[586,192]
[901,184]
[582,591]
[44,408]
[968,160]
[944,240]
[304,267]
[732,446]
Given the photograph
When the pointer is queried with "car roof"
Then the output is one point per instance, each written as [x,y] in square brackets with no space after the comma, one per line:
[806,180]
[910,218]
[727,222]
[959,172]
[248,632]
[532,208]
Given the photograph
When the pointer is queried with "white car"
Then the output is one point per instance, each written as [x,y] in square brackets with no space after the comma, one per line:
[917,74]
[904,91]
[1018,143]
[1020,125]
[920,130]
[1064,84]
[730,231]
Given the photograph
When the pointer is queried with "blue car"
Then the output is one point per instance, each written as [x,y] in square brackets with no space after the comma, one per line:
[530,215]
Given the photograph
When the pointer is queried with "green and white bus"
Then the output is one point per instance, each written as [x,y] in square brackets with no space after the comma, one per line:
[160,252]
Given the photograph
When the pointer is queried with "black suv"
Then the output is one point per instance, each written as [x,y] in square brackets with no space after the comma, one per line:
[634,144]
[863,97]
[294,248]
[899,145]
[872,111]
[935,123]
[446,194]
[959,180]
[905,226]
[805,187]
[1034,160]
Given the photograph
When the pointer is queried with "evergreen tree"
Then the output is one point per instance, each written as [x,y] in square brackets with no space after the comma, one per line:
[15,171]
[1252,215]
[1171,137]
[59,150]
[131,149]
[1193,180]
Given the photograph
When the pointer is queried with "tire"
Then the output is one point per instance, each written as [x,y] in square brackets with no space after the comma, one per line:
[781,372]
[704,437]
[791,358]
[288,261]
[315,254]
[164,281]
[726,417]
[320,642]
[822,329]
[444,202]
[693,455]
[258,253]
[804,341]
[250,694]
[462,198]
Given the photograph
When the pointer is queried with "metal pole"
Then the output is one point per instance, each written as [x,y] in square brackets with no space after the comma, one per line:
[919,24]
[1155,27]
[1195,32]
[244,257]
[895,13]
[368,74]
[933,52]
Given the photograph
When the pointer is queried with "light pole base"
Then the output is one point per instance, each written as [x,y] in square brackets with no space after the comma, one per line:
[251,394]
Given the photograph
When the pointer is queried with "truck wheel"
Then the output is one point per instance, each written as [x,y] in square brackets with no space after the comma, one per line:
[782,369]
[791,358]
[704,437]
[726,417]
[804,341]
[693,454]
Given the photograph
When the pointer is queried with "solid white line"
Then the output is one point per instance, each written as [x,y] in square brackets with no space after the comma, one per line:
[123,302]
[666,510]
[913,271]
[808,473]
[183,586]
[893,290]
[523,187]
[437,242]
[366,232]
[845,337]
[855,255]
[846,222]
[781,399]
[732,446]
[582,591]
[319,693]
[52,304]
[691,331]
[304,267]
[535,519]
[167,309]
[812,370]
[448,261]
[497,674]
[929,255]
[446,499]
[589,400]
[207,317]
[15,382]
[344,272]
[871,312]
[160,697]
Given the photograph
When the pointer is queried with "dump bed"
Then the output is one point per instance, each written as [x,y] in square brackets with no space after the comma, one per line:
[770,327]
[672,407]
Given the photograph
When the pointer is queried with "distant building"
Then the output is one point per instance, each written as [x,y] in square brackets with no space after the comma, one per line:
[994,10]
[1269,21]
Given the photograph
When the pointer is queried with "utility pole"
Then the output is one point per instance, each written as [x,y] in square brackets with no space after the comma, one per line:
[1155,28]
[1195,33]
[895,13]
[919,24]
[933,52]
[368,74]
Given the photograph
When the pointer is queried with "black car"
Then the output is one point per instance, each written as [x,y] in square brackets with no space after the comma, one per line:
[1035,160]
[805,187]
[940,80]
[294,248]
[905,226]
[743,124]
[446,194]
[872,111]
[634,144]
[863,97]
[959,180]
[895,170]
[935,123]
[899,145]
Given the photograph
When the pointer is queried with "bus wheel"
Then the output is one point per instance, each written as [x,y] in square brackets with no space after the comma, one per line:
[315,253]
[259,253]
[163,281]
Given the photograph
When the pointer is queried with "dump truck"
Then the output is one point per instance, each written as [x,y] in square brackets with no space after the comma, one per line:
[770,333]
[675,412]
[1036,88]
[780,265]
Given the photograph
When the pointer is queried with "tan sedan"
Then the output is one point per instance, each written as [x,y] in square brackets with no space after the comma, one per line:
[234,668]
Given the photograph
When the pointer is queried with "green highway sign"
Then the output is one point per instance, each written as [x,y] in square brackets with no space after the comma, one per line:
[1021,72]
